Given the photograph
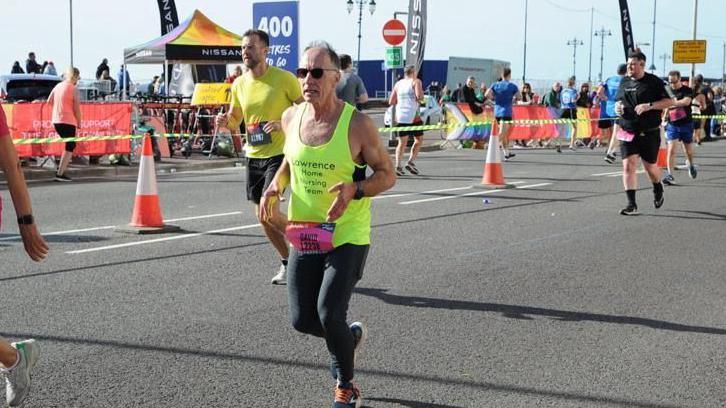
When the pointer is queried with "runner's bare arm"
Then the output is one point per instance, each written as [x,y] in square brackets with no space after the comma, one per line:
[77,106]
[270,201]
[418,90]
[394,96]
[366,147]
[489,94]
[664,103]
[33,242]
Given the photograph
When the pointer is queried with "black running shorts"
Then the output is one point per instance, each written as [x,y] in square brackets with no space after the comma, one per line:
[65,130]
[260,173]
[644,144]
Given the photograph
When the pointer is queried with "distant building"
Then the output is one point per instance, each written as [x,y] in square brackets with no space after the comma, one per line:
[487,70]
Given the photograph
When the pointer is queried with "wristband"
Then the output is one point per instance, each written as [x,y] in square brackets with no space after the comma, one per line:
[359,193]
[26,220]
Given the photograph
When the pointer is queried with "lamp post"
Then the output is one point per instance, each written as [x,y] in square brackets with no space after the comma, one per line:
[602,33]
[372,7]
[664,57]
[574,43]
[652,42]
[71,14]
[524,67]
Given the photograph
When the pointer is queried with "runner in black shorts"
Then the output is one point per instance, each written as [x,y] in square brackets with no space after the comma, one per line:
[641,99]
[260,173]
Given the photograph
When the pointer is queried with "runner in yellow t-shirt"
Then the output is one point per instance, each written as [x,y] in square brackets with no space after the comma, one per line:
[259,97]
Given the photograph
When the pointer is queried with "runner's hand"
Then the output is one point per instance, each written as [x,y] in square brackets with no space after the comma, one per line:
[34,243]
[619,109]
[642,108]
[221,120]
[270,202]
[345,191]
[272,126]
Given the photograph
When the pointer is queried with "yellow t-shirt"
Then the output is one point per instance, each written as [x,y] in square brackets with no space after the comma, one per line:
[264,99]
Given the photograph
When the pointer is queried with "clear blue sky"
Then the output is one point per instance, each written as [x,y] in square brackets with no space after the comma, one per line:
[482,28]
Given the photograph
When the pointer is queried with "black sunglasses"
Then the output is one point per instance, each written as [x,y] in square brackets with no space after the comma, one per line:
[317,73]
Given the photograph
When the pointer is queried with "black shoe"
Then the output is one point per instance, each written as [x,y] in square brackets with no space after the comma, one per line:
[508,156]
[62,177]
[658,200]
[609,158]
[558,149]
[631,209]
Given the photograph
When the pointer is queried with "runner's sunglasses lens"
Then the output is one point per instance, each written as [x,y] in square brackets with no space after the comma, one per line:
[317,73]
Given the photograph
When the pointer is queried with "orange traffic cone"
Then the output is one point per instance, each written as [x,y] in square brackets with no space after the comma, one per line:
[147,218]
[493,176]
[662,151]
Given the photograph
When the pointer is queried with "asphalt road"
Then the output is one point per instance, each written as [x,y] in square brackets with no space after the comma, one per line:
[543,296]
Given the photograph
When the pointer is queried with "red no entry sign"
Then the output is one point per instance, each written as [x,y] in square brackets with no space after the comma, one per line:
[394,32]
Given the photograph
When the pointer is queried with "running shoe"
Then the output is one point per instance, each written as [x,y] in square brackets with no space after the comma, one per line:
[347,396]
[610,158]
[669,180]
[399,171]
[573,148]
[62,178]
[558,149]
[411,168]
[508,156]
[592,144]
[631,209]
[281,277]
[658,199]
[359,337]
[692,172]
[17,379]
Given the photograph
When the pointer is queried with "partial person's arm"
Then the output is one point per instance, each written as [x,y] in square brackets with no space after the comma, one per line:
[365,145]
[361,92]
[33,242]
[418,90]
[490,94]
[393,99]
[270,200]
[77,106]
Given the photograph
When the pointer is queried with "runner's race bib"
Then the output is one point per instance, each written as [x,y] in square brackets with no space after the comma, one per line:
[256,136]
[676,114]
[310,237]
[625,136]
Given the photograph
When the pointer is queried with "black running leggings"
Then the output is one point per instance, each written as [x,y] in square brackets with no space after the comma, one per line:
[319,287]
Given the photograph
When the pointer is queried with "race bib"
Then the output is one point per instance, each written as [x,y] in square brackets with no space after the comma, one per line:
[256,136]
[676,114]
[625,136]
[310,237]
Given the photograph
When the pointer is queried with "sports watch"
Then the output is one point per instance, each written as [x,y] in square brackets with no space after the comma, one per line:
[359,193]
[26,219]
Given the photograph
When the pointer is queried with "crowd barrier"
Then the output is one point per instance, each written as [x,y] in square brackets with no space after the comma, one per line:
[98,134]
[528,122]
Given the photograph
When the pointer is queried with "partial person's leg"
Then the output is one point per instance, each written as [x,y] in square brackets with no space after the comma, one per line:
[8,354]
[504,137]
[400,149]
[305,275]
[417,142]
[344,269]
[274,235]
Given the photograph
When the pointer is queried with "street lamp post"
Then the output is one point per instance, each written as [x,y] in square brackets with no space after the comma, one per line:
[372,7]
[574,43]
[652,42]
[664,57]
[524,68]
[602,33]
[71,14]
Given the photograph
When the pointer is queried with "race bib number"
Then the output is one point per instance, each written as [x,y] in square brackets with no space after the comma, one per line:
[676,114]
[310,237]
[625,136]
[256,136]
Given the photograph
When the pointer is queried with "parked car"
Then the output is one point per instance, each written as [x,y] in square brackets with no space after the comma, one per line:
[430,113]
[27,87]
[429,110]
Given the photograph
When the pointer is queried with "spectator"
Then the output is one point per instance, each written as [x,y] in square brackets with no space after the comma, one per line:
[124,80]
[235,74]
[584,99]
[457,95]
[526,96]
[551,99]
[445,96]
[31,66]
[102,67]
[17,69]
[469,95]
[50,69]
[481,94]
[106,76]
[350,88]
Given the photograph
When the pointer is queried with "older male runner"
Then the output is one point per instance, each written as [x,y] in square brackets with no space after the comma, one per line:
[259,97]
[328,148]
[641,99]
[17,360]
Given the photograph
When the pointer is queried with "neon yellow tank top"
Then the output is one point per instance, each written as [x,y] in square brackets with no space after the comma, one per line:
[315,169]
